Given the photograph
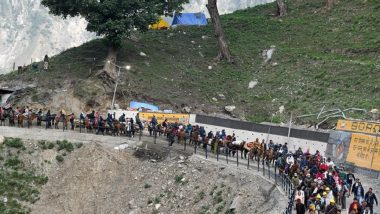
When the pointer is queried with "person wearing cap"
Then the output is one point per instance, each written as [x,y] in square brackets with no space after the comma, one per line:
[311,209]
[329,195]
[331,208]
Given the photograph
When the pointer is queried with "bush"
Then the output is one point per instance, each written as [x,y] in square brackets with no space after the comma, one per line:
[146,186]
[178,178]
[12,162]
[59,158]
[51,145]
[78,145]
[14,142]
[65,145]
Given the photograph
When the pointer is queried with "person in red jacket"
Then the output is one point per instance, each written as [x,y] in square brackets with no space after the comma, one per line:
[354,207]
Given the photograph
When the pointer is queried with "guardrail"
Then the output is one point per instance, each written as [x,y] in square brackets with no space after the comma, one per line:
[230,156]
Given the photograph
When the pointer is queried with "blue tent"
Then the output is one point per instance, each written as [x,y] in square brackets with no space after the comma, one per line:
[190,19]
[134,104]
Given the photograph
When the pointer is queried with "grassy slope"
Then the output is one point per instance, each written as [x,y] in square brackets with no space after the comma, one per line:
[324,57]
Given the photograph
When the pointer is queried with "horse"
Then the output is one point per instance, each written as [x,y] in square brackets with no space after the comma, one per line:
[270,156]
[20,120]
[61,118]
[236,146]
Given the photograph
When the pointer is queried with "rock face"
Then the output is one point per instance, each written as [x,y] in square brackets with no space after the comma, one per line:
[27,31]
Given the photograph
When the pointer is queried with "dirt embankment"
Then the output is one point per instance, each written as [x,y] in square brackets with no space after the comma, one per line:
[97,179]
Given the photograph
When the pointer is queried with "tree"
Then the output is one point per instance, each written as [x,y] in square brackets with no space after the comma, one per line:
[224,52]
[114,19]
[281,8]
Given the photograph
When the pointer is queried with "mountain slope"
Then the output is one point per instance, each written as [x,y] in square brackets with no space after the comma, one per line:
[321,58]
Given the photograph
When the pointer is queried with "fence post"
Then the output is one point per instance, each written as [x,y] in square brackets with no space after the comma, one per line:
[217,151]
[248,160]
[195,148]
[206,151]
[237,158]
[275,173]
[269,171]
[154,136]
[263,168]
[226,151]
[258,164]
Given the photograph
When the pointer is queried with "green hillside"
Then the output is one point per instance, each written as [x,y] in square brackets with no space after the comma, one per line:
[322,58]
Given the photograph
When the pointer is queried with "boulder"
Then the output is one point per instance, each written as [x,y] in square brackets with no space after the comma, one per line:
[252,84]
[230,108]
[143,54]
[214,99]
[2,139]
[186,109]
[281,109]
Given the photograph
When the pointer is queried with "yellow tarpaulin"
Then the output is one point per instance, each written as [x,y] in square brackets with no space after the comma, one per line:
[172,118]
[363,149]
[161,24]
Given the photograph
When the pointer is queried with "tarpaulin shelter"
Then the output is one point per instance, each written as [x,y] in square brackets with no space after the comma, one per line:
[198,19]
[134,104]
[162,23]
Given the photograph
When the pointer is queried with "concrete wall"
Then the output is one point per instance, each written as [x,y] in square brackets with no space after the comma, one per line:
[293,143]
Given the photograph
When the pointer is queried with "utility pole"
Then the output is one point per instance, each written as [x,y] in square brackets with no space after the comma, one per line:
[128,67]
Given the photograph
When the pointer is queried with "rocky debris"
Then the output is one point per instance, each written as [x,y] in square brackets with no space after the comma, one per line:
[281,109]
[236,204]
[230,108]
[221,96]
[186,109]
[268,53]
[121,147]
[252,84]
[2,139]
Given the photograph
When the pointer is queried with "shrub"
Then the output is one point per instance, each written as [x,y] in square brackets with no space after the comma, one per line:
[178,178]
[59,158]
[51,145]
[78,145]
[12,162]
[65,145]
[146,186]
[14,142]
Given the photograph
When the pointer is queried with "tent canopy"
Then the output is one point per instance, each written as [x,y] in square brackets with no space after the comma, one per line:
[160,24]
[134,104]
[190,19]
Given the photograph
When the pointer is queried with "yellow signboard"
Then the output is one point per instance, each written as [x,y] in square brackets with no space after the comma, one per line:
[172,118]
[364,151]
[358,126]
